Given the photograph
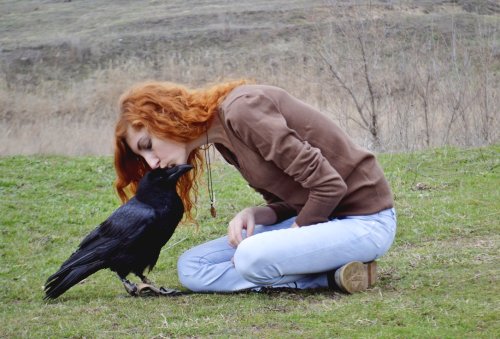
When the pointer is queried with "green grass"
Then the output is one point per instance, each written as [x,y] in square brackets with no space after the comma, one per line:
[439,280]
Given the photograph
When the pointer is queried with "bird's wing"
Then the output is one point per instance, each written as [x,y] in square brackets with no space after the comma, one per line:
[97,250]
[118,231]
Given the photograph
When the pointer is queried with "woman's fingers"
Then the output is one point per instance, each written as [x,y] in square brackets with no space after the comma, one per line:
[234,232]
[250,226]
[243,220]
[238,229]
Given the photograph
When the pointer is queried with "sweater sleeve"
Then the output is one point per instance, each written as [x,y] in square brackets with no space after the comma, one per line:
[282,210]
[258,122]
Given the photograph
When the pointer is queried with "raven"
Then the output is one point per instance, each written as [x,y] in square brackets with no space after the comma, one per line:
[130,239]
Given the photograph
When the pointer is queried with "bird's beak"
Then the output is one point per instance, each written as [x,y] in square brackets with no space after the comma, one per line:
[179,170]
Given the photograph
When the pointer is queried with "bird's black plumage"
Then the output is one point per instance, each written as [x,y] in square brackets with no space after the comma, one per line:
[130,240]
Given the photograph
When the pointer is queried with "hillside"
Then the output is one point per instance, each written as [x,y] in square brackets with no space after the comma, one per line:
[69,35]
[67,61]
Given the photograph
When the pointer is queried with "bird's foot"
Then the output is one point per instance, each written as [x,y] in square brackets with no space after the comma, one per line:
[131,288]
[146,281]
[150,290]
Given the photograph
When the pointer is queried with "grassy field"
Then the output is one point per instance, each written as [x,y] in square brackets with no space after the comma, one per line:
[439,280]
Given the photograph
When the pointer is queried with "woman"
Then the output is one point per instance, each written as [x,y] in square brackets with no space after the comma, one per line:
[329,211]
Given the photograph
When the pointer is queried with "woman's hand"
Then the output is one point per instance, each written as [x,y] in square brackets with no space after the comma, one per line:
[243,220]
[246,220]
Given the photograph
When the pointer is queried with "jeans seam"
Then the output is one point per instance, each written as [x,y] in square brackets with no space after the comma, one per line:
[207,261]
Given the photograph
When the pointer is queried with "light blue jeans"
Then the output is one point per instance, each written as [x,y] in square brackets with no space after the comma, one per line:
[280,256]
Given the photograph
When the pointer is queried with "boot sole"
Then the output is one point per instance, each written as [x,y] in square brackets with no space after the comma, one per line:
[356,276]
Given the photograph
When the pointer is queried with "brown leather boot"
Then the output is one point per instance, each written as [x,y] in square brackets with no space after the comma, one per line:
[356,276]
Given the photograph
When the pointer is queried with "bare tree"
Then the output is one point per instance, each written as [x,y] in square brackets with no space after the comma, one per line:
[351,62]
[424,85]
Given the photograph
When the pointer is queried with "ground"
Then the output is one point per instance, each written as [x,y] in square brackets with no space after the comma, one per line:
[440,279]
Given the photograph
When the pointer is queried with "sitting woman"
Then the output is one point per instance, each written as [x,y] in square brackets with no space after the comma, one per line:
[329,211]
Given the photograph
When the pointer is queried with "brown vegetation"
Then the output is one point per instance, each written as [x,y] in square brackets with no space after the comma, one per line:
[397,75]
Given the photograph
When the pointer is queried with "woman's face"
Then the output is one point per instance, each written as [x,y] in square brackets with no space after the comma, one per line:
[157,152]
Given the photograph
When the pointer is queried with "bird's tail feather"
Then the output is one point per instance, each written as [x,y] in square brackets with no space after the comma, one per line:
[67,277]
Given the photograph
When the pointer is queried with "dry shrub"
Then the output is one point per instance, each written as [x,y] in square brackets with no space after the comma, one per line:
[401,84]
[410,85]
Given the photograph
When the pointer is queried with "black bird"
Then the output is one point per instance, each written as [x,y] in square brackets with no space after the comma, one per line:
[130,240]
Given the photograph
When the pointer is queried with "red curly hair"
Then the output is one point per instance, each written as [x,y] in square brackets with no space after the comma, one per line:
[167,111]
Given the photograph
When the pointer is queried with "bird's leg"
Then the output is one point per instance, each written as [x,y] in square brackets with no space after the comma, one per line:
[130,287]
[144,279]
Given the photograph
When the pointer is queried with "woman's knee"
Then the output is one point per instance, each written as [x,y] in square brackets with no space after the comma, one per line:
[252,263]
[188,271]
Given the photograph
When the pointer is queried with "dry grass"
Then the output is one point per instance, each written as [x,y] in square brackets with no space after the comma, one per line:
[433,66]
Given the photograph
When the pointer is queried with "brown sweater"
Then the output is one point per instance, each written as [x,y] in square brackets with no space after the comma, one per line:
[298,159]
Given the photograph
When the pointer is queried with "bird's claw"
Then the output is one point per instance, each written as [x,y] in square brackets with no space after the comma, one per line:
[131,288]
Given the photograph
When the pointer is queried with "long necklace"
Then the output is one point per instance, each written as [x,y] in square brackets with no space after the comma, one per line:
[211,194]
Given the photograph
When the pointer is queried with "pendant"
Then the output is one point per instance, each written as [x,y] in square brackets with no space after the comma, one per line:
[212,211]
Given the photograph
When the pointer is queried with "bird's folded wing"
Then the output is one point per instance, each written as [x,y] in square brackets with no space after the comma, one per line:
[122,227]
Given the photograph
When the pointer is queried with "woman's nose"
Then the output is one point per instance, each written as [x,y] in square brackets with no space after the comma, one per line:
[152,161]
